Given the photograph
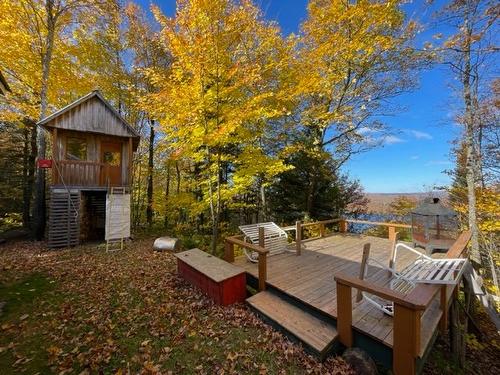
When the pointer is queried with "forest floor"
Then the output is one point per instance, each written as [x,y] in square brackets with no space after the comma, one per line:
[86,311]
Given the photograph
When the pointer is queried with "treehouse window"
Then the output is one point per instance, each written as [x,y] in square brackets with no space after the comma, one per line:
[112,158]
[76,149]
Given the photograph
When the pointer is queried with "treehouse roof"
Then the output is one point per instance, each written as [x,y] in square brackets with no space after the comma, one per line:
[91,113]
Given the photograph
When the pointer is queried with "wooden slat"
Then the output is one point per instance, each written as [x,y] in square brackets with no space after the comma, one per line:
[310,276]
[312,331]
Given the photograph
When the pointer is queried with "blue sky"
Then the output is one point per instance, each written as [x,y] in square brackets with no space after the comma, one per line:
[414,157]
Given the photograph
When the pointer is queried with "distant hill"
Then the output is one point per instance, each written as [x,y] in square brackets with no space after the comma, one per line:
[379,202]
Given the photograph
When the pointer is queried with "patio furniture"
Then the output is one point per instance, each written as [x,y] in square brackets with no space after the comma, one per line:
[275,238]
[424,269]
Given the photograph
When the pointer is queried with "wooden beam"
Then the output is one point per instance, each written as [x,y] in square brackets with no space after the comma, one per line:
[130,160]
[247,245]
[344,314]
[321,229]
[392,233]
[406,339]
[343,226]
[443,302]
[381,291]
[457,250]
[393,250]
[298,237]
[229,251]
[397,225]
[262,261]
[362,269]
[55,157]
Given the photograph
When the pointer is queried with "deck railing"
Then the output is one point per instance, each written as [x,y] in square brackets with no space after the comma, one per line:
[260,249]
[343,225]
[408,311]
[262,252]
[78,173]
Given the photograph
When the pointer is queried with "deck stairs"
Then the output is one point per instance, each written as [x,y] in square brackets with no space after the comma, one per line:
[64,229]
[316,333]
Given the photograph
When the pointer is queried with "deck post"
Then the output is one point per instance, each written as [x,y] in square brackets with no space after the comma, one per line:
[344,314]
[55,157]
[392,233]
[262,261]
[393,250]
[298,236]
[343,226]
[322,230]
[262,271]
[362,269]
[229,251]
[443,322]
[406,341]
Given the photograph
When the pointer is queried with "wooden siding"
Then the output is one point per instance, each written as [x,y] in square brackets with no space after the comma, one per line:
[91,116]
[88,172]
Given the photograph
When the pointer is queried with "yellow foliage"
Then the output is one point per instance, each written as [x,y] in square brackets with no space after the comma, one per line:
[215,102]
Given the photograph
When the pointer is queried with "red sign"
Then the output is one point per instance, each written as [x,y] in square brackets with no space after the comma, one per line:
[44,163]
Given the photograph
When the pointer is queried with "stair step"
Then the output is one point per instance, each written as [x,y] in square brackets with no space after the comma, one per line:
[317,334]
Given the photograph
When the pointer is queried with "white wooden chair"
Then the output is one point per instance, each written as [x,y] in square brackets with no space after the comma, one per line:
[275,238]
[424,269]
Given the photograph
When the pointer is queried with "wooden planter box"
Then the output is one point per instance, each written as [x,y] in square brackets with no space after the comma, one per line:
[223,282]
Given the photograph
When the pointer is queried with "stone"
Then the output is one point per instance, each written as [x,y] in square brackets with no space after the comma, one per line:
[167,244]
[360,361]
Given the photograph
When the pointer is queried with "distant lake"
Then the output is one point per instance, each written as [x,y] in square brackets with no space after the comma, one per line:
[360,228]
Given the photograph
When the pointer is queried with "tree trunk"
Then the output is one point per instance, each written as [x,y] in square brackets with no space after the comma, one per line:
[167,195]
[39,209]
[26,182]
[263,200]
[469,144]
[149,209]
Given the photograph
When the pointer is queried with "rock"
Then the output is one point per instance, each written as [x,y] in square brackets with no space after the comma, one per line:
[360,361]
[167,244]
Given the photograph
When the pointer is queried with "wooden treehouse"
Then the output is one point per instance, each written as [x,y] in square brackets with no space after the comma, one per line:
[92,153]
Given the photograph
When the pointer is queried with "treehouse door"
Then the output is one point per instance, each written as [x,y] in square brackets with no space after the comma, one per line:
[111,158]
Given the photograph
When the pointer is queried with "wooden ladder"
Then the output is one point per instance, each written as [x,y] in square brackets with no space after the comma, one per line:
[64,210]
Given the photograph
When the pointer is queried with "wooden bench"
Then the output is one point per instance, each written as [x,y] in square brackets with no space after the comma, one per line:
[224,282]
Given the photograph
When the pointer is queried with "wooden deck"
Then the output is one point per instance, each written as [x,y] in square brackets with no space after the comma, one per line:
[309,278]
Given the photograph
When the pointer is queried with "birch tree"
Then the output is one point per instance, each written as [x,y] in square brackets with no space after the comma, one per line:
[466,52]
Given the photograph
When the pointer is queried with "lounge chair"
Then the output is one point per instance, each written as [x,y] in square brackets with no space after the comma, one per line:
[275,238]
[423,270]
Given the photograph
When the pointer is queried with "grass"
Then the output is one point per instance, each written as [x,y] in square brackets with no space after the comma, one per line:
[22,298]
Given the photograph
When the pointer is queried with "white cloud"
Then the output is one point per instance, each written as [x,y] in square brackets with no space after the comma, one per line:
[391,139]
[420,135]
[415,157]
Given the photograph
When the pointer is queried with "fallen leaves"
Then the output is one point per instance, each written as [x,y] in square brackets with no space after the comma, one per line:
[129,312]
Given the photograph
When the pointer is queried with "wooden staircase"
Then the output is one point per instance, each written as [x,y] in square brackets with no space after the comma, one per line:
[64,227]
[317,333]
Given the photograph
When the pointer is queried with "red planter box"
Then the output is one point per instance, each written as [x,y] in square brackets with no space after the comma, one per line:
[223,282]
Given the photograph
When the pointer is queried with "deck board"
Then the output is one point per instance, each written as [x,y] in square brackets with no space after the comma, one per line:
[310,278]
